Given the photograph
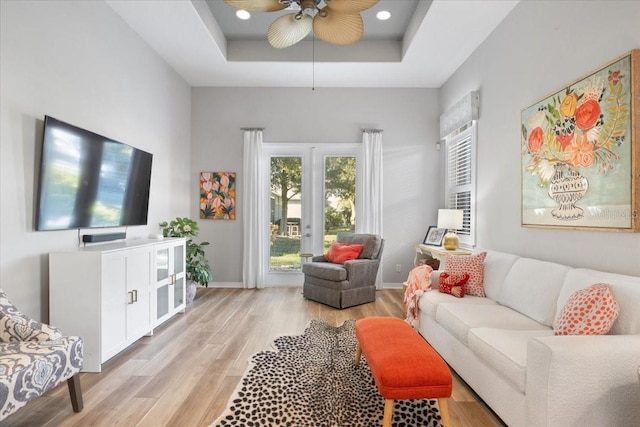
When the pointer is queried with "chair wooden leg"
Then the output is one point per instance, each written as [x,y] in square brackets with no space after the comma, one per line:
[75,392]
[388,412]
[358,355]
[444,412]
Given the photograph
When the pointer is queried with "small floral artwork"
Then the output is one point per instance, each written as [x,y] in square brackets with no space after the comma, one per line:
[218,195]
[577,153]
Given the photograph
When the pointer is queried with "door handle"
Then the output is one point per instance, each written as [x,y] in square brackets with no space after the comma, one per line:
[131,301]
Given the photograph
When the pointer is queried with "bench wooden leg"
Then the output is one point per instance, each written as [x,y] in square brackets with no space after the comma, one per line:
[444,412]
[388,412]
[75,392]
[358,355]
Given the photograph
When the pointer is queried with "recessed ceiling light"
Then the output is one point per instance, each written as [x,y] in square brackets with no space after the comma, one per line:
[383,15]
[243,14]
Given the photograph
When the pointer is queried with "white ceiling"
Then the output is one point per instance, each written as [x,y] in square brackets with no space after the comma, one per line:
[425,44]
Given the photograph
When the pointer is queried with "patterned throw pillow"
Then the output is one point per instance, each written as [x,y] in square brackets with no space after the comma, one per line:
[453,283]
[471,264]
[590,311]
[339,253]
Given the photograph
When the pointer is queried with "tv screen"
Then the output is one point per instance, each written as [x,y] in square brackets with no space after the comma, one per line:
[90,181]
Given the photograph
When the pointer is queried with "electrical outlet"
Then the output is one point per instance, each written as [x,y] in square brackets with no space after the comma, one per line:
[398,268]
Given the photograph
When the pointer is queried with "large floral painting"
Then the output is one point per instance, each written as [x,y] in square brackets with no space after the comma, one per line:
[218,195]
[578,167]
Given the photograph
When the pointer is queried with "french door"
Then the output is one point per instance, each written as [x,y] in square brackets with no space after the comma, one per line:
[313,194]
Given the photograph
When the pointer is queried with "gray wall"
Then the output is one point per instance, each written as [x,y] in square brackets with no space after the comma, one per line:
[79,62]
[539,48]
[409,118]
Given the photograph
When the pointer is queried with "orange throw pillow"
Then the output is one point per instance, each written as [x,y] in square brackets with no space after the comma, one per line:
[339,253]
[590,311]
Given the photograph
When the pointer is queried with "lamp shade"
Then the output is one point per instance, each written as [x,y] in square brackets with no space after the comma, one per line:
[450,219]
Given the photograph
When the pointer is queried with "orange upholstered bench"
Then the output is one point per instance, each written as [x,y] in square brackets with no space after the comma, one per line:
[403,364]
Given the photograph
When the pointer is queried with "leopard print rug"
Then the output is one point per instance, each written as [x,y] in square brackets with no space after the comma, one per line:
[311,381]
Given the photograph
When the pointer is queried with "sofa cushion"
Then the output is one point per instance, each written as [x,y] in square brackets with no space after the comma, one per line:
[472,265]
[325,270]
[505,351]
[590,311]
[429,301]
[624,289]
[460,318]
[339,253]
[532,288]
[496,268]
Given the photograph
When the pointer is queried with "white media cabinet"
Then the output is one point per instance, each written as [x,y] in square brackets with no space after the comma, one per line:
[113,294]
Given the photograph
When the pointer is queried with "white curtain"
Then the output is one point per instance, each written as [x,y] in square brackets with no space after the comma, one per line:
[253,201]
[371,220]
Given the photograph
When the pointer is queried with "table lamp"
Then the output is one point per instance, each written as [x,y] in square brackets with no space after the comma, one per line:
[450,219]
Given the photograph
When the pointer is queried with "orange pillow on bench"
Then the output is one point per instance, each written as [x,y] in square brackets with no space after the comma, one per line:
[339,253]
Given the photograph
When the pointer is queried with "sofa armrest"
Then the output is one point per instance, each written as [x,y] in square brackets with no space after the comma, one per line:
[362,272]
[583,380]
[318,258]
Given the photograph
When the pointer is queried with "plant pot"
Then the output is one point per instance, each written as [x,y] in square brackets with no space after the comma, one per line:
[190,291]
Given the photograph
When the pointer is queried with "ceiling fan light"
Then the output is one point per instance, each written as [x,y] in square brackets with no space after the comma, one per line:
[289,30]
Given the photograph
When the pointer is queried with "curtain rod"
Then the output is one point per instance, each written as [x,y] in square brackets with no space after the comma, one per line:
[373,130]
[251,129]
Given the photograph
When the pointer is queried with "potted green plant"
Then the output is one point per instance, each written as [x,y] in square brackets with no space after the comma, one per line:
[198,269]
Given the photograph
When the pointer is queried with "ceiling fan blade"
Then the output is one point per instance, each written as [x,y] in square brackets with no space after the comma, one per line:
[338,28]
[257,5]
[287,30]
[350,6]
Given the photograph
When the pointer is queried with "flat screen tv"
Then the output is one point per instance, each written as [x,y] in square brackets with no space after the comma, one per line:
[90,181]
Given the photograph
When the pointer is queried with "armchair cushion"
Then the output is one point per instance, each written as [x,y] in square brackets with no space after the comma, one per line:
[15,326]
[326,271]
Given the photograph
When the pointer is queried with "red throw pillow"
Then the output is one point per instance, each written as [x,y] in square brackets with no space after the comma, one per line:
[590,311]
[453,283]
[339,253]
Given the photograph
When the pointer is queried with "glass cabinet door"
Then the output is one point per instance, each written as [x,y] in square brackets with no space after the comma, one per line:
[178,259]
[162,264]
[178,293]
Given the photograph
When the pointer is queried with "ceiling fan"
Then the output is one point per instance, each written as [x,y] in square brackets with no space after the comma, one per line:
[333,21]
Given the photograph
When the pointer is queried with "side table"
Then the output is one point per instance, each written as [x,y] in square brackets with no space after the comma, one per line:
[437,252]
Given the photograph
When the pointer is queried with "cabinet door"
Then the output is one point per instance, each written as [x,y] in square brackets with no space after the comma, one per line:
[114,304]
[180,283]
[138,293]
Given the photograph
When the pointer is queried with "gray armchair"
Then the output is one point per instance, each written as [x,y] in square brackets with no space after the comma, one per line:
[348,284]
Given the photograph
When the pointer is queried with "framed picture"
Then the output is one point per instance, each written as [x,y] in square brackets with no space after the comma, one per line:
[217,195]
[434,236]
[581,152]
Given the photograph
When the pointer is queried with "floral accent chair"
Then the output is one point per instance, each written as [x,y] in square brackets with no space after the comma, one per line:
[34,357]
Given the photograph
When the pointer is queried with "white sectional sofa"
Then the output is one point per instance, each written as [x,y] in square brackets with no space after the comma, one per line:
[504,347]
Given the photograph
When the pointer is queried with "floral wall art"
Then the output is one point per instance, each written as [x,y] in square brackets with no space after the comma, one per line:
[217,195]
[580,152]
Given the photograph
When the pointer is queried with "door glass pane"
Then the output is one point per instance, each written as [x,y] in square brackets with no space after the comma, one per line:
[162,264]
[162,300]
[286,213]
[340,196]
[178,292]
[178,260]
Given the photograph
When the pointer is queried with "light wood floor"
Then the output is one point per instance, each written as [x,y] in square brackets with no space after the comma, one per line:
[185,373]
